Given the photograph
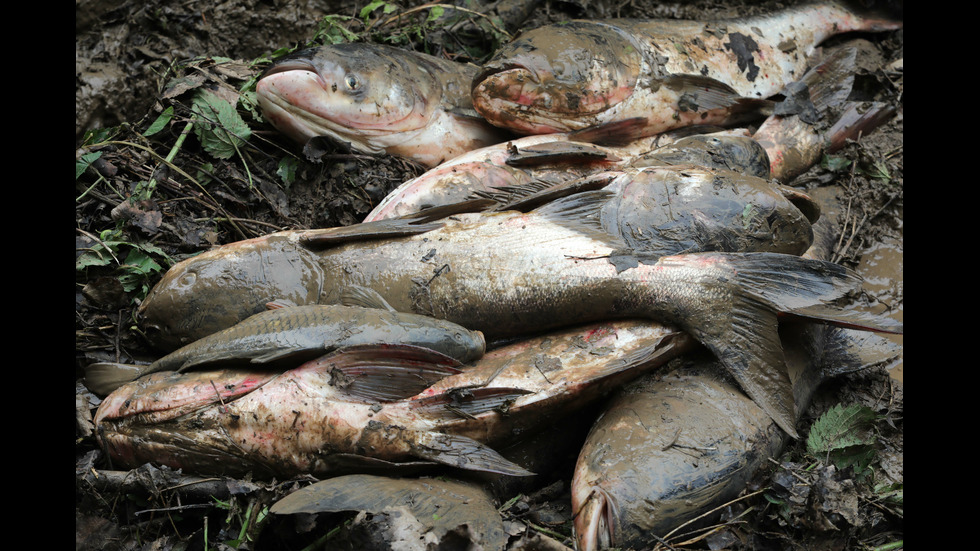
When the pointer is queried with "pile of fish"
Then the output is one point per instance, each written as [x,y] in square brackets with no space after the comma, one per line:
[521,279]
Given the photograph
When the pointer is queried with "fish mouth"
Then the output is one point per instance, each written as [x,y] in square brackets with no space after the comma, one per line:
[594,522]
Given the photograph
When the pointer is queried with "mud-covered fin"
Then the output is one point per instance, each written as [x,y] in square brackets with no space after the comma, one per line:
[849,318]
[856,351]
[856,119]
[560,152]
[612,133]
[104,377]
[385,372]
[747,344]
[535,194]
[464,453]
[830,82]
[357,295]
[467,402]
[279,304]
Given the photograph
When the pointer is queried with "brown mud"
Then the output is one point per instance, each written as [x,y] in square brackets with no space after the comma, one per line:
[134,60]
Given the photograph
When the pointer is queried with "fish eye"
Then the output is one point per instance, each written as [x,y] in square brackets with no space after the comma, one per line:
[351,82]
[188,279]
[458,337]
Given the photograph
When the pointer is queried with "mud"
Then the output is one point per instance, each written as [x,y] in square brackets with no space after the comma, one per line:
[126,54]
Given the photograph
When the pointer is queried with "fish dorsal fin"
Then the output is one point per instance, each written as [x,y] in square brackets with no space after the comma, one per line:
[385,372]
[467,402]
[464,453]
[358,295]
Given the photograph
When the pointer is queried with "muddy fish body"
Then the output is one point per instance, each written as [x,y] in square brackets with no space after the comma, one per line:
[510,273]
[377,99]
[365,407]
[676,73]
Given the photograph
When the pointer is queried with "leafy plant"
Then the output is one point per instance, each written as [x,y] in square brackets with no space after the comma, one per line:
[844,436]
[133,264]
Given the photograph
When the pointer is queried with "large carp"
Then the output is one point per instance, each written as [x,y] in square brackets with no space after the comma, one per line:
[377,99]
[509,273]
[670,448]
[365,407]
[291,334]
[675,73]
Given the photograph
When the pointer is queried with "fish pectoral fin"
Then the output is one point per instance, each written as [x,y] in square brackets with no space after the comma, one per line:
[378,229]
[279,303]
[357,295]
[464,453]
[701,93]
[104,377]
[385,372]
[612,133]
[532,195]
[467,402]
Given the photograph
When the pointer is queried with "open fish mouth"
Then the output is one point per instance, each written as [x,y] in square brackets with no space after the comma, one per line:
[595,520]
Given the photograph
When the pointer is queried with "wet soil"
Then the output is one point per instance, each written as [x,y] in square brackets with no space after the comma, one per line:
[137,60]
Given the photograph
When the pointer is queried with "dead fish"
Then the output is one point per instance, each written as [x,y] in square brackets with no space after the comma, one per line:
[677,443]
[377,99]
[563,164]
[572,75]
[298,333]
[367,406]
[670,448]
[510,273]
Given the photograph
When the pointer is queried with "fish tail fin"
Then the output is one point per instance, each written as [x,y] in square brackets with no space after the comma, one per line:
[849,350]
[464,453]
[758,288]
[104,377]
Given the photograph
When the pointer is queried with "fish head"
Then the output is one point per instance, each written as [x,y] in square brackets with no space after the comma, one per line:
[558,78]
[739,153]
[221,287]
[683,209]
[352,93]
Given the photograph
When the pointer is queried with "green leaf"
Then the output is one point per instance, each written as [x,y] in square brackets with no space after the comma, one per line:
[435,13]
[287,170]
[834,163]
[161,122]
[85,161]
[218,125]
[839,428]
[366,10]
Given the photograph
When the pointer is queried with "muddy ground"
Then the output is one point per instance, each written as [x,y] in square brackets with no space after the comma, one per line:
[136,60]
